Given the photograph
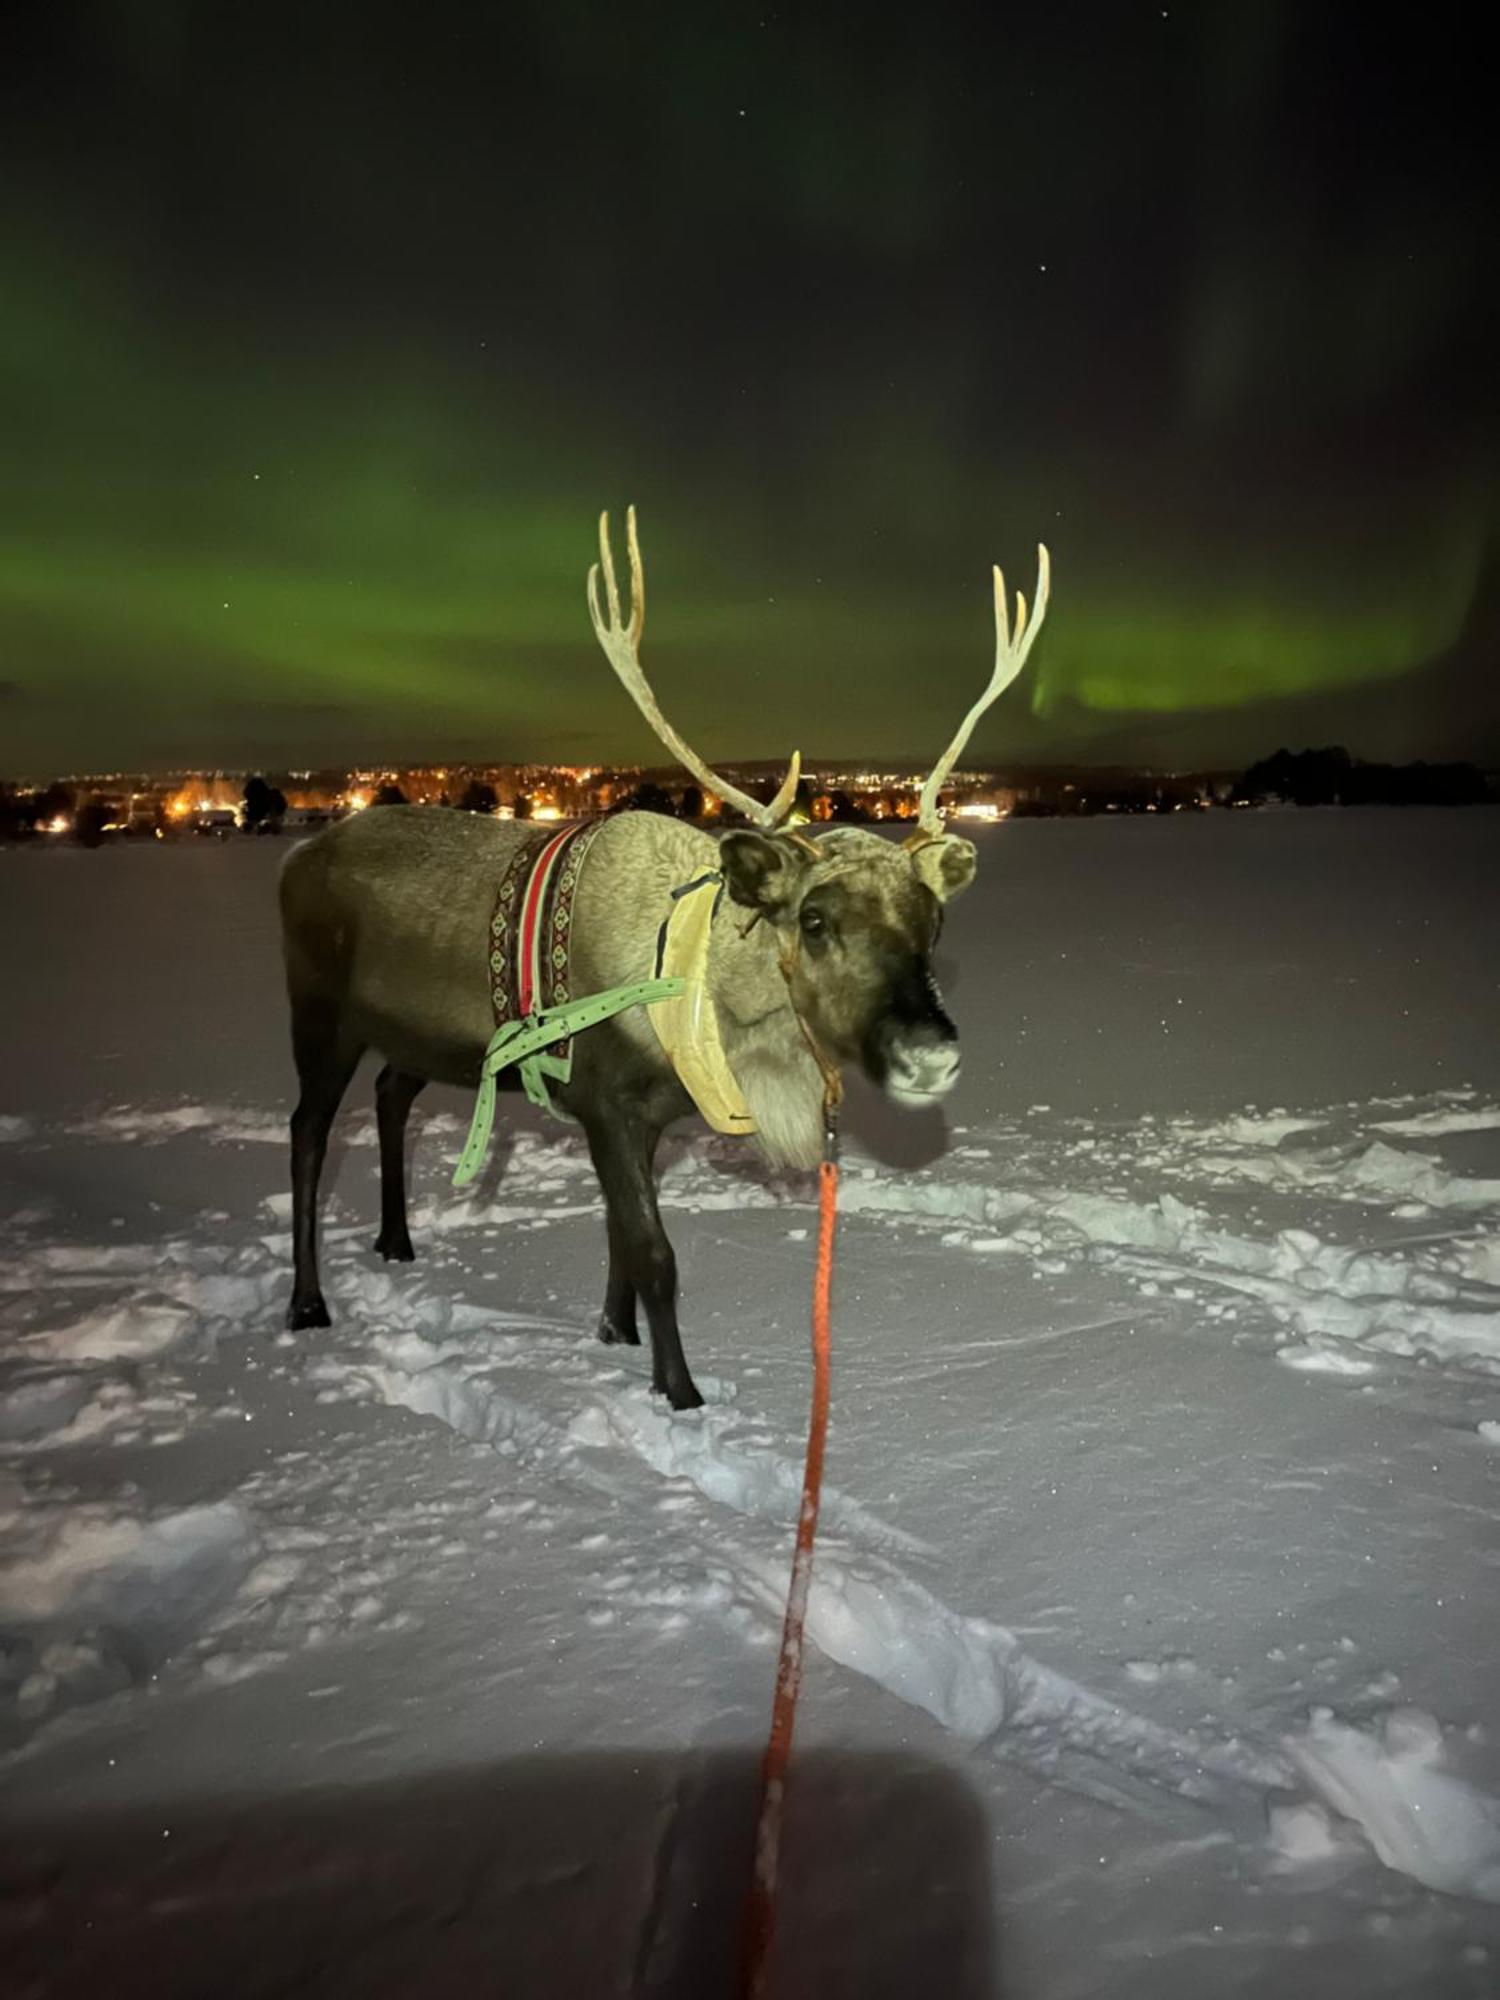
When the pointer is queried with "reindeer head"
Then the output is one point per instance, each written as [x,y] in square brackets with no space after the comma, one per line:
[856,921]
[856,917]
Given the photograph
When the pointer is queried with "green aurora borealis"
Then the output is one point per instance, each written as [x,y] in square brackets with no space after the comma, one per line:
[321,351]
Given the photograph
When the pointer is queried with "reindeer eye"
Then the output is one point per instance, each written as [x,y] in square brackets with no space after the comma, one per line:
[812,922]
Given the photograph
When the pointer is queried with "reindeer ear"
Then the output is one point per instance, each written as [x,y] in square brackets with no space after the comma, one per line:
[761,872]
[946,865]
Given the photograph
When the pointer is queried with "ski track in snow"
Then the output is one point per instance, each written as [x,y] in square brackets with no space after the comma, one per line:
[867,1612]
[100,1341]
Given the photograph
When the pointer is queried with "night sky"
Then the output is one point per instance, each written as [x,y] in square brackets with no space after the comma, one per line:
[325,332]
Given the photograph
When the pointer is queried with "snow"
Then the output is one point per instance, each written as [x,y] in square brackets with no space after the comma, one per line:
[1417,1817]
[1153,1627]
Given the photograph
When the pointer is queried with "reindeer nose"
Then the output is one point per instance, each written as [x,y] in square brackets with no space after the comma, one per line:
[922,1069]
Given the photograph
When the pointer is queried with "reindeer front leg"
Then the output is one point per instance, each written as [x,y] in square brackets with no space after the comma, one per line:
[641,1261]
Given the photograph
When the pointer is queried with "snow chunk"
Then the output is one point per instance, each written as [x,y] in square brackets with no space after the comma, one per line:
[1307,1835]
[1315,1359]
[1479,1260]
[1165,1224]
[93,1599]
[146,1325]
[1420,1819]
[221,1123]
[1416,1176]
[1266,1128]
[38,1406]
[98,1260]
[1425,1123]
[93,1566]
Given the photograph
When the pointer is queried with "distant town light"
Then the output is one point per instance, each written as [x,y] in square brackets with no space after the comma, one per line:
[357,801]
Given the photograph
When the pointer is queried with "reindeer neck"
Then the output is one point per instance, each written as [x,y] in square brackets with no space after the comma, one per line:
[763,1042]
[744,968]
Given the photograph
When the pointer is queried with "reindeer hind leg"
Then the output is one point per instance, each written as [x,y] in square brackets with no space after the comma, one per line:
[395,1092]
[326,1058]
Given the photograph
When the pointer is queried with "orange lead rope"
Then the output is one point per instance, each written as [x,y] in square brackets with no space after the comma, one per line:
[760,1905]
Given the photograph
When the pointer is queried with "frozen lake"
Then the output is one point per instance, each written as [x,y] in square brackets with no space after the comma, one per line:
[1156,1616]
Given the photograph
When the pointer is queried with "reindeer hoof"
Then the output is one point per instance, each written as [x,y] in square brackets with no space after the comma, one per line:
[395,1248]
[683,1397]
[614,1335]
[307,1312]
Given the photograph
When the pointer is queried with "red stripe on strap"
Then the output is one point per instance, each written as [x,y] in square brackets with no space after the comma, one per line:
[536,889]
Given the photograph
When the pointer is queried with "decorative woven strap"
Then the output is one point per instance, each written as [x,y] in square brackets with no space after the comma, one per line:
[531,926]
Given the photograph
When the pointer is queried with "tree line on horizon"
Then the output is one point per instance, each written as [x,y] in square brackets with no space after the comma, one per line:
[1331,777]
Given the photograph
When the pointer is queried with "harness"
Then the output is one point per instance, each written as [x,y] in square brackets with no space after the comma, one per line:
[537,1014]
[687,1026]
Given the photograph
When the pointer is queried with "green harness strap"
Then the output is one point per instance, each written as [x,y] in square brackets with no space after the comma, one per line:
[524,1041]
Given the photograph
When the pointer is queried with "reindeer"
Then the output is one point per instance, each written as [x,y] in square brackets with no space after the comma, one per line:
[818,955]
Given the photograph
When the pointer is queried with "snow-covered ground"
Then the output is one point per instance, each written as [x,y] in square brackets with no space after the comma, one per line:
[1155,1621]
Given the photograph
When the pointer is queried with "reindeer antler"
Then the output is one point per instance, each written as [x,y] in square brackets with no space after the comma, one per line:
[1010,657]
[621,644]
